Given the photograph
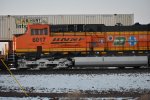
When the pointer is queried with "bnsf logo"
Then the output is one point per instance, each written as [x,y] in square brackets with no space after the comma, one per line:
[67,39]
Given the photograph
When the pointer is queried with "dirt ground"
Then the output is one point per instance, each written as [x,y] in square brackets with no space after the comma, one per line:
[79,94]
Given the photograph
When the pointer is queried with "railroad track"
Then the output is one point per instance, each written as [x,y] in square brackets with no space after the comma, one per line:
[56,96]
[80,94]
[76,71]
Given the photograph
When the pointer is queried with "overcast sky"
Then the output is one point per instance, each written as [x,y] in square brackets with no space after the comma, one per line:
[140,8]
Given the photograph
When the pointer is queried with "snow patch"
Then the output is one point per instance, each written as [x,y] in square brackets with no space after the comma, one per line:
[69,83]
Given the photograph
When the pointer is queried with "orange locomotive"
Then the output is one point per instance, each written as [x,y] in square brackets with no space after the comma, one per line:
[83,39]
[62,46]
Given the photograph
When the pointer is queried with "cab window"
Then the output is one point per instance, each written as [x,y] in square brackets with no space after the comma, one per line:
[39,31]
[32,32]
[45,31]
[36,32]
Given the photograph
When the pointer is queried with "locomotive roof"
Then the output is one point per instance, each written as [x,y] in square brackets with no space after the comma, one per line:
[98,28]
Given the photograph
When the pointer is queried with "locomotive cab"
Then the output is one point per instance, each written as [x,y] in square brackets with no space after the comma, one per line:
[33,39]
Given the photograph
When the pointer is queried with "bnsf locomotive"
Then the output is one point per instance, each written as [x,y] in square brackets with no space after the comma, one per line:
[63,46]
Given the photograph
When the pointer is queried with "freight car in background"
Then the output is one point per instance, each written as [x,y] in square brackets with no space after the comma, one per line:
[64,46]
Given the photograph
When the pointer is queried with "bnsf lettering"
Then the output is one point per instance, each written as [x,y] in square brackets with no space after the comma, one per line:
[42,39]
[67,39]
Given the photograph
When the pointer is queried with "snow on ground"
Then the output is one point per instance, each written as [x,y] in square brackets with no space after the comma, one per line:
[69,83]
